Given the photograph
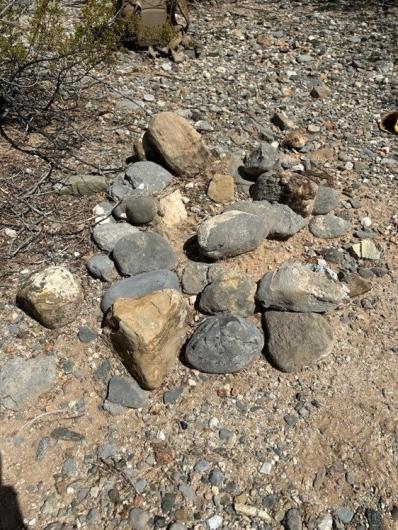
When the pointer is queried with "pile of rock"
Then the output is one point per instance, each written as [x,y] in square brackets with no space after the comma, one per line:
[146,313]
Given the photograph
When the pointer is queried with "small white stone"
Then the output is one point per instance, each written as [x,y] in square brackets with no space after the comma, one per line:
[9,232]
[214,522]
[213,423]
[266,468]
[366,222]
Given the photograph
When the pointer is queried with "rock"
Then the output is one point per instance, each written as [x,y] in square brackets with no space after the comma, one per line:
[280,120]
[177,526]
[320,92]
[294,189]
[366,249]
[326,200]
[147,177]
[103,213]
[107,235]
[232,292]
[293,520]
[143,252]
[221,188]
[23,380]
[214,522]
[177,144]
[85,334]
[172,209]
[120,189]
[148,333]
[345,515]
[85,185]
[69,467]
[65,434]
[224,344]
[139,519]
[294,287]
[42,447]
[357,285]
[264,158]
[374,518]
[171,396]
[102,268]
[141,210]
[194,277]
[139,286]
[52,296]
[329,226]
[296,340]
[280,220]
[325,522]
[126,392]
[230,234]
[296,139]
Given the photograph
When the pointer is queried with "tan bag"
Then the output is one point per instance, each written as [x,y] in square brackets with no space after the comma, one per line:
[147,23]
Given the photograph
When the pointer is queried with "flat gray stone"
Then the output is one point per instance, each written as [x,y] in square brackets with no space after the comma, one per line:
[143,252]
[224,344]
[329,226]
[296,340]
[139,519]
[23,380]
[230,293]
[138,286]
[281,221]
[326,200]
[230,234]
[194,277]
[107,235]
[102,268]
[85,184]
[120,189]
[294,287]
[148,177]
[125,391]
[262,159]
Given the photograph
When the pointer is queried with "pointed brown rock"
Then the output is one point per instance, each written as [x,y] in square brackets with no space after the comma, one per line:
[148,333]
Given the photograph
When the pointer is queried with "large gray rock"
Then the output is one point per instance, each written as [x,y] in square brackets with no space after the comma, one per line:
[143,252]
[138,286]
[126,392]
[296,340]
[148,177]
[329,226]
[326,200]
[232,293]
[224,344]
[280,220]
[294,287]
[102,268]
[230,234]
[262,159]
[23,380]
[107,235]
[52,296]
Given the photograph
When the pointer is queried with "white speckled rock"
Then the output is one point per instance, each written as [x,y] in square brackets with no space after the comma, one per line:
[51,296]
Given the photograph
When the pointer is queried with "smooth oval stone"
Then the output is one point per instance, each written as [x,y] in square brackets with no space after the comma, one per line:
[141,210]
[148,177]
[224,344]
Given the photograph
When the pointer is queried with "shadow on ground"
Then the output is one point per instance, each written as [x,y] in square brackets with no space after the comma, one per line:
[10,512]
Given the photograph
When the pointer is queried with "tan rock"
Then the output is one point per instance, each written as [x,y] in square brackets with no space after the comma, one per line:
[177,143]
[52,296]
[221,189]
[366,249]
[172,209]
[148,333]
[296,139]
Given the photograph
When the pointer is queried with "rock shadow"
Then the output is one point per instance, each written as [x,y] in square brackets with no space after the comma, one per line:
[10,512]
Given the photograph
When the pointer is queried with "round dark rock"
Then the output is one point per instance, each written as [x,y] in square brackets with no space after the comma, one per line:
[86,334]
[224,344]
[141,210]
[143,252]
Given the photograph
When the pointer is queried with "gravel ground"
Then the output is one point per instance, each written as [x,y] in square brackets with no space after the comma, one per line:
[259,449]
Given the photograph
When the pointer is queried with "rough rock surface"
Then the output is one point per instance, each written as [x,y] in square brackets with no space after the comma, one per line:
[126,392]
[231,293]
[177,144]
[194,277]
[148,333]
[262,159]
[138,286]
[107,235]
[296,340]
[294,287]
[230,234]
[329,226]
[221,188]
[326,200]
[102,268]
[52,296]
[223,344]
[86,184]
[23,380]
[172,209]
[148,177]
[143,252]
